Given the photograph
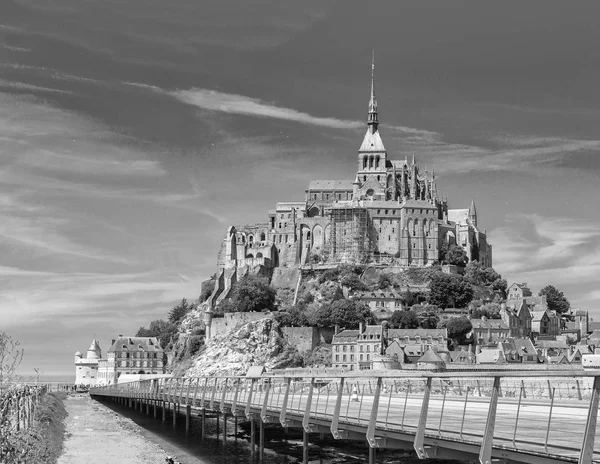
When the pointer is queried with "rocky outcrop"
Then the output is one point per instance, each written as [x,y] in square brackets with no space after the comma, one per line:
[257,343]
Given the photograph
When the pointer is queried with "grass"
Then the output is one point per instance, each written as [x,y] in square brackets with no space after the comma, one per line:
[43,443]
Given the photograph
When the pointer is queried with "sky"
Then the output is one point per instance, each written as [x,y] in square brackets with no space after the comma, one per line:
[133,133]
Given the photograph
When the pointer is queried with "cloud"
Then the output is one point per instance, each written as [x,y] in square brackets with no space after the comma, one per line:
[549,250]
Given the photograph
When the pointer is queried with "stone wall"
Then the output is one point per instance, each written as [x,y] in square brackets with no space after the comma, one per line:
[231,321]
[307,338]
[285,278]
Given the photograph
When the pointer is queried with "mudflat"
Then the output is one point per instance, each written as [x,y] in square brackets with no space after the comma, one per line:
[97,435]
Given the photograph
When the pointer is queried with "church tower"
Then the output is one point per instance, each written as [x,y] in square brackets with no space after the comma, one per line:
[473,213]
[372,155]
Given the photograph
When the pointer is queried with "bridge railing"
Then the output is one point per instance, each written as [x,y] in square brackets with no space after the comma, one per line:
[540,413]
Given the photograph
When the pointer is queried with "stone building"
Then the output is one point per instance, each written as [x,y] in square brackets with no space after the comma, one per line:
[390,214]
[131,355]
[86,368]
[489,331]
[343,349]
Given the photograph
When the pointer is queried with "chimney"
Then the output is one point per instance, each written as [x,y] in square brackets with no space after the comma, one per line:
[336,329]
[113,342]
[360,327]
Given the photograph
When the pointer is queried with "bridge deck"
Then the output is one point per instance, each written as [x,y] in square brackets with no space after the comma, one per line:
[533,420]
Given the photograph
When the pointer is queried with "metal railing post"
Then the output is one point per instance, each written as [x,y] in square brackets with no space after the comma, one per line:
[263,412]
[442,411]
[336,411]
[283,413]
[235,397]
[249,401]
[405,402]
[419,443]
[373,418]
[521,395]
[551,392]
[222,405]
[462,423]
[211,405]
[587,448]
[485,454]
[306,418]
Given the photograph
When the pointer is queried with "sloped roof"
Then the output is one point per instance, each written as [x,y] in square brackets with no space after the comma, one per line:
[135,344]
[346,336]
[372,142]
[488,324]
[330,185]
[557,344]
[430,357]
[459,216]
[521,346]
[418,204]
[412,333]
[538,315]
[488,357]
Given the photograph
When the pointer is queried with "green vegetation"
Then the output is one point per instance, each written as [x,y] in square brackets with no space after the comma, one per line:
[476,274]
[449,290]
[453,254]
[556,299]
[163,330]
[404,320]
[10,359]
[43,442]
[178,312]
[250,294]
[458,328]
[490,310]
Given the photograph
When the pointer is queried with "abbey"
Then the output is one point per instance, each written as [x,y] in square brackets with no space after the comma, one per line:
[390,214]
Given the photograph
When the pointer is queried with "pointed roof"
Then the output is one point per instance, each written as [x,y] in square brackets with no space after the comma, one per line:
[372,142]
[472,210]
[430,356]
[373,117]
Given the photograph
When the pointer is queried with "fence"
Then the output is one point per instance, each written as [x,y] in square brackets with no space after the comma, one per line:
[17,408]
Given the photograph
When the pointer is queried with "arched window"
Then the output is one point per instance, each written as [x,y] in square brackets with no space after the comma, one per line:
[377,162]
[415,227]
[365,162]
[259,255]
[249,255]
[370,161]
[251,239]
[262,237]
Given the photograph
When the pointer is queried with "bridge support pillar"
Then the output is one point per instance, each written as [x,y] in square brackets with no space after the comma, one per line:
[147,407]
[188,413]
[203,423]
[235,426]
[164,411]
[252,435]
[372,455]
[141,405]
[154,406]
[174,414]
[261,443]
[420,434]
[224,429]
[304,446]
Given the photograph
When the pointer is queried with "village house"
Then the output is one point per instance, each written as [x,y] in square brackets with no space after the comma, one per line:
[131,355]
[343,347]
[518,291]
[369,343]
[516,314]
[509,351]
[489,331]
[545,324]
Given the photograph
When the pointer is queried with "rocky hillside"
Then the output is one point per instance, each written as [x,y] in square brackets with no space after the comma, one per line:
[258,343]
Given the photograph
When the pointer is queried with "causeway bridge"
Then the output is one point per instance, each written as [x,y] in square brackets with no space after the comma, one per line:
[489,416]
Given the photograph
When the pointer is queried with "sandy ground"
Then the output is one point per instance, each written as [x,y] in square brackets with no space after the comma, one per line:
[97,435]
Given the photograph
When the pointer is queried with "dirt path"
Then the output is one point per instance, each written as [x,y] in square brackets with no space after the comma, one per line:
[97,435]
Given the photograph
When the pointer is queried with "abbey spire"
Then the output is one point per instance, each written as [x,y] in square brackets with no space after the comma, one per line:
[373,117]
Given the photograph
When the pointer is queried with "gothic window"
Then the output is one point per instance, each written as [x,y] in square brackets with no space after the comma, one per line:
[365,162]
[262,237]
[378,178]
[364,178]
[377,164]
[415,227]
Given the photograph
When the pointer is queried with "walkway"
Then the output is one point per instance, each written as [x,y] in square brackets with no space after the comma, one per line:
[97,435]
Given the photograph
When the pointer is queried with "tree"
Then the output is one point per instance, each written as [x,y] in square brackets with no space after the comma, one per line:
[179,311]
[344,313]
[556,299]
[489,310]
[385,280]
[458,328]
[253,294]
[161,329]
[352,281]
[476,274]
[294,316]
[404,320]
[450,290]
[428,319]
[10,359]
[456,256]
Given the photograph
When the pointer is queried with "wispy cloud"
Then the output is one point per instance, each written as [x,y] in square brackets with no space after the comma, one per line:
[549,250]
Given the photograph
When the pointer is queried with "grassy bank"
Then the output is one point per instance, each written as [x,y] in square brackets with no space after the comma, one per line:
[43,443]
